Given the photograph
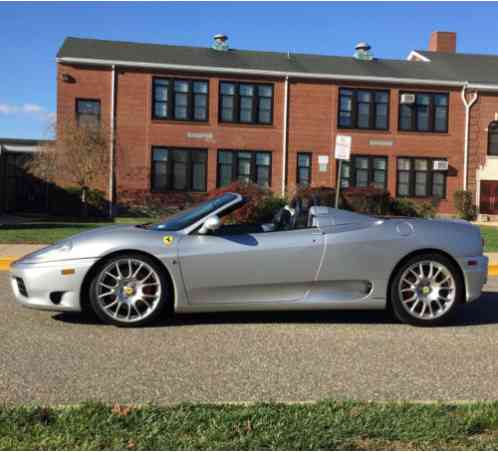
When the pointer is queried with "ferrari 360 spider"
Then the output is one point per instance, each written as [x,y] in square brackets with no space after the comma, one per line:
[310,257]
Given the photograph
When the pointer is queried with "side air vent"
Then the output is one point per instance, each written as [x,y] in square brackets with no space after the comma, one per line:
[21,287]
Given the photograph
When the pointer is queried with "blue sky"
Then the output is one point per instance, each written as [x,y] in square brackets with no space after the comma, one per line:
[32,33]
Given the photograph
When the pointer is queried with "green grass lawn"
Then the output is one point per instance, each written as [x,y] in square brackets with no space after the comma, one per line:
[325,425]
[490,235]
[51,232]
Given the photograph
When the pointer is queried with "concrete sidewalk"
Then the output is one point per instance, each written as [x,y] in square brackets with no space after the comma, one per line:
[10,253]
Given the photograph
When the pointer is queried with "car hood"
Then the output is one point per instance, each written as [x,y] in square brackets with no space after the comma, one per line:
[100,242]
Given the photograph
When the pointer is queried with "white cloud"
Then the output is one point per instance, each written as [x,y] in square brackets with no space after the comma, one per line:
[27,109]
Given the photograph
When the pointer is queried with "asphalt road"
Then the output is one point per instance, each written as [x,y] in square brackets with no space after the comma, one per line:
[64,359]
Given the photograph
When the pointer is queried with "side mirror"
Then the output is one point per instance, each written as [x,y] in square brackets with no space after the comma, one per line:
[211,224]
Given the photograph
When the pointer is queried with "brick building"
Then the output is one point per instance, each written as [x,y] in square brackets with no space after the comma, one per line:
[185,120]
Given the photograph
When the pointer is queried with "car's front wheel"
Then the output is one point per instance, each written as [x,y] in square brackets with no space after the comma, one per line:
[426,290]
[129,290]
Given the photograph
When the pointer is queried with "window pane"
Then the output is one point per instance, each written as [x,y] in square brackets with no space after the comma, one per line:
[246,115]
[420,184]
[181,112]
[225,157]
[246,90]
[161,92]
[200,100]
[227,114]
[381,97]
[304,176]
[423,99]
[181,100]
[227,102]
[198,176]
[160,155]
[441,100]
[263,176]
[90,107]
[361,178]
[364,96]
[227,88]
[266,91]
[160,176]
[364,115]
[404,164]
[200,87]
[381,116]
[346,103]
[303,160]
[379,179]
[361,162]
[181,86]
[200,113]
[406,117]
[423,118]
[438,183]
[403,183]
[265,117]
[440,119]
[161,109]
[345,174]
[379,163]
[246,103]
[403,189]
[225,174]
[265,103]
[345,119]
[262,158]
[421,165]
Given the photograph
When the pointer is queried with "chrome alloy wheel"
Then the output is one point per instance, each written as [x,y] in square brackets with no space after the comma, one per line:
[128,290]
[427,290]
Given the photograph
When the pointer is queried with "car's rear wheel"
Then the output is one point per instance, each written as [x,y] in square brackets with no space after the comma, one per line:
[129,290]
[426,290]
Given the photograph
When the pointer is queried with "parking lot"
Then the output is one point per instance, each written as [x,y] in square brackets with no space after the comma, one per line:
[54,358]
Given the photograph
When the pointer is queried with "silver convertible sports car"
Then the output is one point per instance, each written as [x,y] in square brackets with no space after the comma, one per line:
[310,257]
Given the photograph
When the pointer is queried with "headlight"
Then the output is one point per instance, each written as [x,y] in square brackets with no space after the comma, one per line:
[52,252]
[62,247]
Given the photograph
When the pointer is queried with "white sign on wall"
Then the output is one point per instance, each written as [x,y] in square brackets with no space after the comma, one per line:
[342,147]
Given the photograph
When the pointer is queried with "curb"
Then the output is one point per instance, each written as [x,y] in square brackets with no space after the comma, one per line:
[6,261]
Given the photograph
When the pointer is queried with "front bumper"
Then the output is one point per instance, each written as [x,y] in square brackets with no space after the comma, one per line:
[475,274]
[45,285]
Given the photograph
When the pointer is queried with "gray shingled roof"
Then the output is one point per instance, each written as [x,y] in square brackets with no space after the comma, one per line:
[273,61]
[470,67]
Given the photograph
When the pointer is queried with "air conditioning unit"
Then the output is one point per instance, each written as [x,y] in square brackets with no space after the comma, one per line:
[440,165]
[408,99]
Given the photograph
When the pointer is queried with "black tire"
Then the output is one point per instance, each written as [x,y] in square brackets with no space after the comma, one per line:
[151,314]
[402,312]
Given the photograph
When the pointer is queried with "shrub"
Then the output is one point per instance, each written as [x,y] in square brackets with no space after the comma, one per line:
[403,207]
[322,196]
[462,201]
[369,200]
[260,207]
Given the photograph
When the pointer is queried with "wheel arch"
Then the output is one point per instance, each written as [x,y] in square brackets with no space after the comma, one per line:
[417,253]
[85,286]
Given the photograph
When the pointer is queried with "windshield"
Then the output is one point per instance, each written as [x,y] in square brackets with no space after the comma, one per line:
[187,217]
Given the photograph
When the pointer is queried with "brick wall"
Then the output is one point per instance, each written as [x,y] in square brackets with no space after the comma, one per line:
[312,125]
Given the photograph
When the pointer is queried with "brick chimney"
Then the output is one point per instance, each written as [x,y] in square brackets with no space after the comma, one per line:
[443,41]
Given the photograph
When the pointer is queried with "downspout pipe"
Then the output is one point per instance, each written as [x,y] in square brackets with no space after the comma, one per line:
[284,133]
[468,105]
[112,150]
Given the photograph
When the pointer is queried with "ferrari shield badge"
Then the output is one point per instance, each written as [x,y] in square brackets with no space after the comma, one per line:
[168,240]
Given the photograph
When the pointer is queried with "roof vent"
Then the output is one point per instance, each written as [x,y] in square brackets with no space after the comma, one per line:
[220,42]
[362,51]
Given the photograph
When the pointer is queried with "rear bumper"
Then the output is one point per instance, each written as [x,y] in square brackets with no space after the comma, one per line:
[475,273]
[43,286]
